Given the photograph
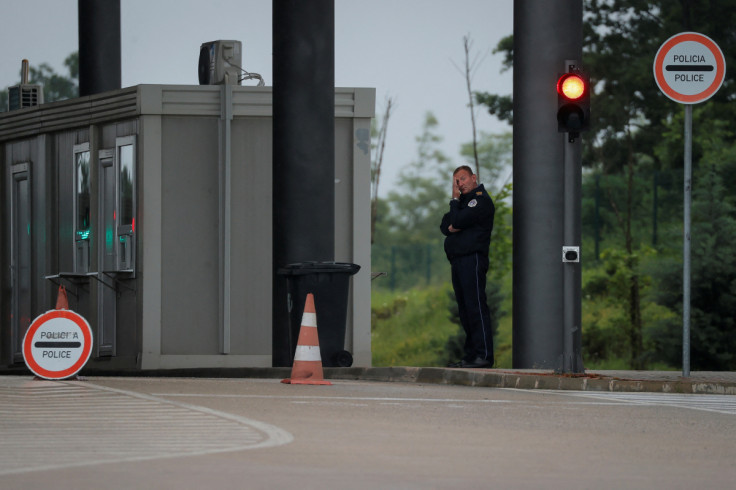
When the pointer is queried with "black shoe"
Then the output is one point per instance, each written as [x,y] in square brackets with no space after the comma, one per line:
[455,364]
[477,363]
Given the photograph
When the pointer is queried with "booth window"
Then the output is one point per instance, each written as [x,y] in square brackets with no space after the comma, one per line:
[125,153]
[81,207]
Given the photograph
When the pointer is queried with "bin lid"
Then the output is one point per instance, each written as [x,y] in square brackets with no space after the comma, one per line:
[301,268]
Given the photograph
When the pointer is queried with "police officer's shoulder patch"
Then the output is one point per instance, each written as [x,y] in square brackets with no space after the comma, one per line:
[472,203]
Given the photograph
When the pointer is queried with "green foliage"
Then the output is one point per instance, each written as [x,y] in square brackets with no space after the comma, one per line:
[495,297]
[501,106]
[410,328]
[502,246]
[632,197]
[55,86]
[415,328]
[424,187]
[506,46]
[620,39]
[494,155]
[607,310]
[408,244]
[638,129]
[713,277]
[410,265]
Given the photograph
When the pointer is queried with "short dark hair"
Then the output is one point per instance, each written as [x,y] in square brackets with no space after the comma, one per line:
[464,167]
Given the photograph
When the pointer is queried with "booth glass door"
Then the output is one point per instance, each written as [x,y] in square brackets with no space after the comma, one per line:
[107,295]
[20,256]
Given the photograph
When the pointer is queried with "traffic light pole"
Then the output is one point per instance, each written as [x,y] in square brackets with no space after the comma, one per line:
[572,359]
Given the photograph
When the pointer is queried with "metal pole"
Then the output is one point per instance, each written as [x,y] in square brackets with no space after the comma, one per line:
[428,249]
[597,217]
[655,205]
[686,242]
[572,360]
[225,214]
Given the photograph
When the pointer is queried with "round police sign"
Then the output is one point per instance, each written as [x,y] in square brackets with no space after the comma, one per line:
[58,344]
[689,68]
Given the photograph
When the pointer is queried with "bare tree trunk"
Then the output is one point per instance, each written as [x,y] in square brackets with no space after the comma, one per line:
[469,68]
[635,336]
[634,297]
[376,166]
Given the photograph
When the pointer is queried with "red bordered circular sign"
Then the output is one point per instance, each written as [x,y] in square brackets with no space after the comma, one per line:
[689,68]
[58,344]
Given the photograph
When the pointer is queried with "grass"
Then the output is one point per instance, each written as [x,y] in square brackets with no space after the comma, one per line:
[411,328]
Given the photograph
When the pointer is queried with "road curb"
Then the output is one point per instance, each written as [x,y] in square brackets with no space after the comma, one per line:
[623,381]
[529,381]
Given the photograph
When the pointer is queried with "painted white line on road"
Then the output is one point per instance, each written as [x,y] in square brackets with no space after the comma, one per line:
[49,425]
[725,404]
[275,435]
[352,398]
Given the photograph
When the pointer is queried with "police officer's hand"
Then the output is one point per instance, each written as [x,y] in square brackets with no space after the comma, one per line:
[452,229]
[455,188]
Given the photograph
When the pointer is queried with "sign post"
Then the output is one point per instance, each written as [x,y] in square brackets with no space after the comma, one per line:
[688,68]
[57,345]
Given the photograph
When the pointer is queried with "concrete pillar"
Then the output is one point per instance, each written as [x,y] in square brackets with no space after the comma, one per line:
[99,46]
[303,144]
[545,35]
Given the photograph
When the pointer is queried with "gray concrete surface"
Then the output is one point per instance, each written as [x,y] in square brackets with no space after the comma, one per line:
[193,433]
[704,382]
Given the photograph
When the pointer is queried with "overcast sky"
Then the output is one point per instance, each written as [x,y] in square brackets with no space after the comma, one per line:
[403,48]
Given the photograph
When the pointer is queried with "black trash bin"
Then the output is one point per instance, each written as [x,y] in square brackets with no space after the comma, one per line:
[329,282]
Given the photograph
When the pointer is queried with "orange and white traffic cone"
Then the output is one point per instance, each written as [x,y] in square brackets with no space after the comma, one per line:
[307,368]
[62,302]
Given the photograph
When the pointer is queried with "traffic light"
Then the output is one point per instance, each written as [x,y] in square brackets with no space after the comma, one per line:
[573,103]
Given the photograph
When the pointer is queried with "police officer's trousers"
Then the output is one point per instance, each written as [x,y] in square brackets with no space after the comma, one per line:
[469,283]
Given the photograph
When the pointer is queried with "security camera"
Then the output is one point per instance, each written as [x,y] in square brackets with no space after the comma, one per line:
[571,254]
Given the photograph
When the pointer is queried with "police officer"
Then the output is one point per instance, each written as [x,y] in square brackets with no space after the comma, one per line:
[467,228]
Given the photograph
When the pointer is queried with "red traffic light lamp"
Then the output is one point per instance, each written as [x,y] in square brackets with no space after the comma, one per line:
[573,103]
[571,86]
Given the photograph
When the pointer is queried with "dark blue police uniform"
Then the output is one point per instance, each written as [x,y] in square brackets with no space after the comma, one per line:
[467,250]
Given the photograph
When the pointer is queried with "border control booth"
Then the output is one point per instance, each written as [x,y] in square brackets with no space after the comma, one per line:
[152,206]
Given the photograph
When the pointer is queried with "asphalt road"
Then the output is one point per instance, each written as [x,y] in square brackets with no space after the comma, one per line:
[120,433]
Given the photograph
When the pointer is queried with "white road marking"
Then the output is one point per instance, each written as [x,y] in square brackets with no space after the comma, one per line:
[725,404]
[337,398]
[61,424]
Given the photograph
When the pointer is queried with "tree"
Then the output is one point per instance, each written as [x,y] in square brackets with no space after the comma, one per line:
[470,67]
[713,254]
[407,238]
[55,86]
[424,188]
[501,106]
[631,115]
[632,118]
[378,134]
